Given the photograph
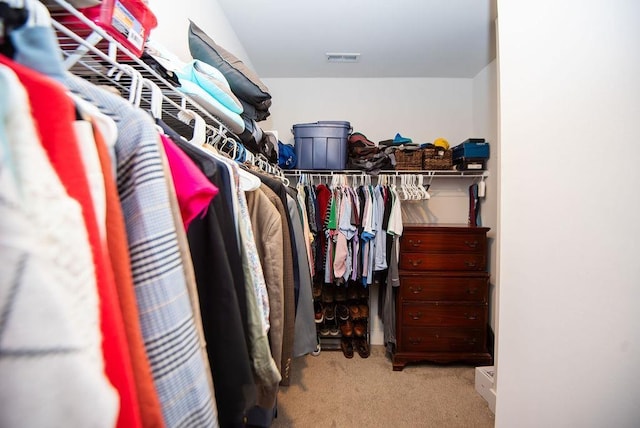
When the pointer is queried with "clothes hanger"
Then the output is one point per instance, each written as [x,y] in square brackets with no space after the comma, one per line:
[156,97]
[423,188]
[135,90]
[199,128]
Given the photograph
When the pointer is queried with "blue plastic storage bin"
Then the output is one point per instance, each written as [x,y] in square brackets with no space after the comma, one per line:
[478,149]
[321,145]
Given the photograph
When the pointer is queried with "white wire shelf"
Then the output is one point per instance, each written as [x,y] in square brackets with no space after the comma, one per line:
[356,172]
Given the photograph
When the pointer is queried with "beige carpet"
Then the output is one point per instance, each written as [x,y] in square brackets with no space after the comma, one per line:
[332,391]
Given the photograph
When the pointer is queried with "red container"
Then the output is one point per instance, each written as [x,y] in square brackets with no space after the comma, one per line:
[127,21]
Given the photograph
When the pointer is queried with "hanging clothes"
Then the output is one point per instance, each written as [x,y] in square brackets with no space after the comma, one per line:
[224,306]
[51,305]
[137,153]
[305,331]
[54,113]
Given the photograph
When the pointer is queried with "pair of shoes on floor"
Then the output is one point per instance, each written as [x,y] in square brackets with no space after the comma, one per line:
[358,345]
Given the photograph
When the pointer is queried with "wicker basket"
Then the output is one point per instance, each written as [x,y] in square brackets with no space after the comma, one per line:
[436,158]
[408,159]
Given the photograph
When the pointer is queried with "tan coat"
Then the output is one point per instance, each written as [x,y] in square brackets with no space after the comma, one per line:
[266,224]
[289,308]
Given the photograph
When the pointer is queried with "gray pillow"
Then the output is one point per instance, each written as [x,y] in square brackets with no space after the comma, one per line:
[244,83]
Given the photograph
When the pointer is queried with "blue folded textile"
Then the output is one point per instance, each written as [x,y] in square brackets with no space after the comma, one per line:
[212,81]
[231,120]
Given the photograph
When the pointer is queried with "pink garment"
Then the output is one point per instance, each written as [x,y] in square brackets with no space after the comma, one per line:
[193,190]
[340,258]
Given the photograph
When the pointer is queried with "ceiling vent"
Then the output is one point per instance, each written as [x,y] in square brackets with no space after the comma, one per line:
[343,57]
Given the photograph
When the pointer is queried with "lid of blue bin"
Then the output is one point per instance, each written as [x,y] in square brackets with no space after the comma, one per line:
[336,123]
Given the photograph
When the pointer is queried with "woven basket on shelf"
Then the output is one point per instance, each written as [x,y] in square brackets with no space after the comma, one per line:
[436,158]
[408,159]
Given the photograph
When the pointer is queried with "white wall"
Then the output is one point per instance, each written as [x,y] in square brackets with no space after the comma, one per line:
[173,26]
[569,342]
[485,125]
[422,109]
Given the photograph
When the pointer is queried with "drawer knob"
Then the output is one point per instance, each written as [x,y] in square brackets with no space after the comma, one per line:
[415,340]
[415,315]
[472,290]
[415,263]
[471,316]
[471,244]
[416,290]
[470,263]
[415,243]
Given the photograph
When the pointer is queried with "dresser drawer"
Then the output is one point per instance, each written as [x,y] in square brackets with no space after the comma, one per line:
[425,339]
[452,315]
[426,287]
[443,241]
[439,261]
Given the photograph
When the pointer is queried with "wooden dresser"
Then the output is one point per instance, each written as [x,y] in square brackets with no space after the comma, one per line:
[442,303]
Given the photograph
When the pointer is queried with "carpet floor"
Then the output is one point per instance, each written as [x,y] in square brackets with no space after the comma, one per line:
[330,390]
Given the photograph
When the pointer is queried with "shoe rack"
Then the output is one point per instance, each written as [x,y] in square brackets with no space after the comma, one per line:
[342,317]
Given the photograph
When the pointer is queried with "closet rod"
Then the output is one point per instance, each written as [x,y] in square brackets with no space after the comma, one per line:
[428,173]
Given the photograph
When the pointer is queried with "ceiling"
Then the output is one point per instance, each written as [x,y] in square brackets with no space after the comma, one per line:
[395,38]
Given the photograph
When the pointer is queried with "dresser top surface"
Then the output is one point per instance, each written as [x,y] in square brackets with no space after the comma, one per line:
[445,227]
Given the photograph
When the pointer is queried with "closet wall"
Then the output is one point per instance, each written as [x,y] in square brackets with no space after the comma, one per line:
[422,109]
[485,124]
[568,339]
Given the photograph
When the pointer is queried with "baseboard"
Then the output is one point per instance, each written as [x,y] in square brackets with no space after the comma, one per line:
[485,385]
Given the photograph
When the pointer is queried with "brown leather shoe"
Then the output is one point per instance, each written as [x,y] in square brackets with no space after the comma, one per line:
[317,289]
[354,312]
[328,292]
[329,312]
[347,347]
[362,347]
[346,328]
[359,328]
[352,291]
[342,312]
[364,311]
